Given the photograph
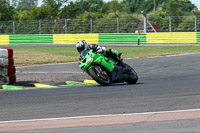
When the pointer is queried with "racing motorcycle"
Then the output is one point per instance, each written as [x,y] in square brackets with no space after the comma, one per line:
[105,70]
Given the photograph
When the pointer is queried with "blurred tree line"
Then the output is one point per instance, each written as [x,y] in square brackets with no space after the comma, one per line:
[59,9]
[79,9]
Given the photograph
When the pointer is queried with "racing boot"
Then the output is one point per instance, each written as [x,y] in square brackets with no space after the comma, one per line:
[126,67]
[117,56]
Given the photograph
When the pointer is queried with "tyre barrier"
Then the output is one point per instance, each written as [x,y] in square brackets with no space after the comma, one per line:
[7,68]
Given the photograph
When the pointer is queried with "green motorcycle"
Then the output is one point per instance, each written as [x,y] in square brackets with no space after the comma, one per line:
[105,70]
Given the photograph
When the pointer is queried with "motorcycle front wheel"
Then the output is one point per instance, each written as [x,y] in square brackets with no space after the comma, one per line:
[100,75]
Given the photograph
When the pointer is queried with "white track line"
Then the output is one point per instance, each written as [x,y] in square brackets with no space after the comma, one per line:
[109,115]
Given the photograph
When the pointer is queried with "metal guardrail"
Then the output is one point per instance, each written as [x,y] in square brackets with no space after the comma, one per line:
[102,25]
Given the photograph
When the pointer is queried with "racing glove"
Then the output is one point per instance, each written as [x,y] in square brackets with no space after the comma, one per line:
[101,50]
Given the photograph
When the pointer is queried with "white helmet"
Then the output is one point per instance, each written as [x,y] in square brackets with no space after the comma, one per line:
[82,45]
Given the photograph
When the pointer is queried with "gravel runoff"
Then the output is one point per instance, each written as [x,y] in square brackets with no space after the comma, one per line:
[29,79]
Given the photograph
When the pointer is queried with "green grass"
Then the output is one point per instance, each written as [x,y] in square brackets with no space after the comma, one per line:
[133,52]
[25,56]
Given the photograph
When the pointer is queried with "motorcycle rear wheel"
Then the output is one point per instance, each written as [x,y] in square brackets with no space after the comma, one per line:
[101,78]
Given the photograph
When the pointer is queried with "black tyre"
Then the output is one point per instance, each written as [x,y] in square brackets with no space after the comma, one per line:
[133,77]
[101,78]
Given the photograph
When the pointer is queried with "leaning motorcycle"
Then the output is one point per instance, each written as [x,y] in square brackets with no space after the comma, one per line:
[104,70]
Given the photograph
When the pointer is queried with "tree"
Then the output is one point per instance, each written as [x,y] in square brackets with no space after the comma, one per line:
[104,9]
[4,3]
[35,13]
[130,5]
[57,3]
[24,4]
[187,6]
[148,6]
[6,11]
[95,5]
[69,11]
[174,7]
[115,6]
[89,5]
[74,9]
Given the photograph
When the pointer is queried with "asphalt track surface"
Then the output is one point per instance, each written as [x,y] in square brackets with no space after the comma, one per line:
[165,84]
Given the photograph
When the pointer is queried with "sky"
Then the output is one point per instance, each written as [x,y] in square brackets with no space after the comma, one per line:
[196,2]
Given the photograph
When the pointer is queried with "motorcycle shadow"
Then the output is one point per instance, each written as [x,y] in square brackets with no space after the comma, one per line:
[119,84]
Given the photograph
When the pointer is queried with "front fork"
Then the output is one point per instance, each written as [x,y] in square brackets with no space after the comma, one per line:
[98,69]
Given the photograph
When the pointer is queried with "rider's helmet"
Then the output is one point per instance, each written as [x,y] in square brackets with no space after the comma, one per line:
[82,45]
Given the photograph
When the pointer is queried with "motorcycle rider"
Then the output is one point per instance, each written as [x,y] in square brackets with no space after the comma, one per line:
[82,45]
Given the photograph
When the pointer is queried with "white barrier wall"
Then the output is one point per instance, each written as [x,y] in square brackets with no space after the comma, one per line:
[7,68]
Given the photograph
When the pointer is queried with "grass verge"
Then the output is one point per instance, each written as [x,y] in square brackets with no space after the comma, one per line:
[25,56]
